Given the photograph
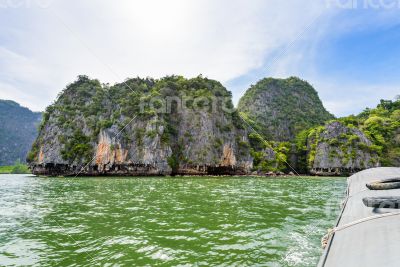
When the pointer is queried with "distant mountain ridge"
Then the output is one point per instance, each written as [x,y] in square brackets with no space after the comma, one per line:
[17,132]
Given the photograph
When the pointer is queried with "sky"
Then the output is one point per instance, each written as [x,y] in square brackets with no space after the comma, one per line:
[347,49]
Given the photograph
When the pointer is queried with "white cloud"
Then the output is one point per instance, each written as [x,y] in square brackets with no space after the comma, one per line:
[109,41]
[342,95]
[42,50]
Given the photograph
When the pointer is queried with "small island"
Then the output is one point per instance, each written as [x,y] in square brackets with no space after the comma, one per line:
[179,126]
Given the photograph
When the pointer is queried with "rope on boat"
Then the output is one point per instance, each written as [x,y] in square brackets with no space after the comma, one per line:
[386,184]
[325,238]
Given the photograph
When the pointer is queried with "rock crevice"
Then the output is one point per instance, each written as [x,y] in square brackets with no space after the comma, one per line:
[89,131]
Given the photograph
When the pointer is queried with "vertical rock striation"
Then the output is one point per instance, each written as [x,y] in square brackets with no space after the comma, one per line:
[336,149]
[142,127]
[281,108]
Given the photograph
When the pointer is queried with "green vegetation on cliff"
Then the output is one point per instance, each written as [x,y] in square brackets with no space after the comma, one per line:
[295,128]
[170,121]
[186,123]
[373,132]
[269,156]
[382,126]
[281,108]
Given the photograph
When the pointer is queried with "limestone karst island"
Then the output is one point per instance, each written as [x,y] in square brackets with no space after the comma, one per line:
[179,126]
[199,133]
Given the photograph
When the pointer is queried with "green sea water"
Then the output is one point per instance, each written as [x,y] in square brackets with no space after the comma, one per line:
[165,221]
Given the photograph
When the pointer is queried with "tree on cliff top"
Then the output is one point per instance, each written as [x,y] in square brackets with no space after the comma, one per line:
[281,108]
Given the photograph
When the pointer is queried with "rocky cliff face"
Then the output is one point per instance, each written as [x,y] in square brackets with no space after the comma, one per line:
[281,108]
[335,149]
[142,127]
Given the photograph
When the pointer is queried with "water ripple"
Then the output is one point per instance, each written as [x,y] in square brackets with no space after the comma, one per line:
[165,222]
